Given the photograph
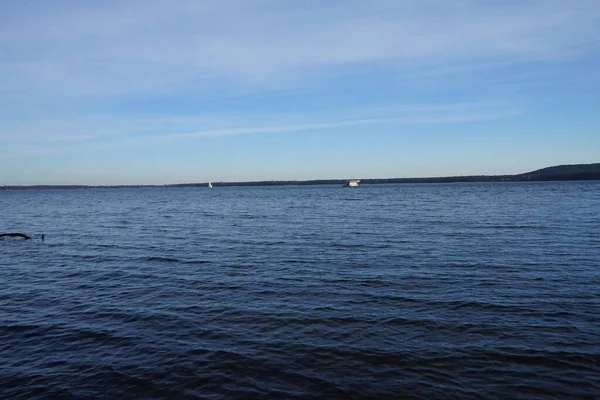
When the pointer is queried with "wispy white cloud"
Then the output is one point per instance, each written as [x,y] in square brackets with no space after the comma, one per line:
[416,119]
[105,132]
[140,46]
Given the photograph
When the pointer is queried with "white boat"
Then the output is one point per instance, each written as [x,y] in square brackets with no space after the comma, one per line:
[352,183]
[209,184]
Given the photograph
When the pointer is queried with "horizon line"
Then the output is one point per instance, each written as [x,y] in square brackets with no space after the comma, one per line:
[310,181]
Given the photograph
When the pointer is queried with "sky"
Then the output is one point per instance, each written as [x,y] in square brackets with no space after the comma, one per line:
[179,91]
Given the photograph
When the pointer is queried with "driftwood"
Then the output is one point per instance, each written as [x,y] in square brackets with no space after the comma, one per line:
[24,236]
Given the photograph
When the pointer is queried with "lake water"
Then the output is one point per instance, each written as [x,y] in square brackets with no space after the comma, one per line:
[466,291]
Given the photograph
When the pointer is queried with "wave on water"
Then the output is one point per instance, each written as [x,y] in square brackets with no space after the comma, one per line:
[163,259]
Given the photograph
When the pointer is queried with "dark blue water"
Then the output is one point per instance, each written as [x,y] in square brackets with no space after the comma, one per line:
[466,291]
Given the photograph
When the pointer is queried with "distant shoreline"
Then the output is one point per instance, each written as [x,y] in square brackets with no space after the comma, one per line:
[578,172]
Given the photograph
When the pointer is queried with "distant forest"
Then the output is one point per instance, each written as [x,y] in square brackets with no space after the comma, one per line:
[556,173]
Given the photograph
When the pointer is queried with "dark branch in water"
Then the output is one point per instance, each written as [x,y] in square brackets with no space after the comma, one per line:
[24,236]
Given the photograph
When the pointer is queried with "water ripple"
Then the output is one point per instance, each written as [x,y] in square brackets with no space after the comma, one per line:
[466,291]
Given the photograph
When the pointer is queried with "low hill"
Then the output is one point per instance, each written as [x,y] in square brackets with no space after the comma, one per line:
[563,172]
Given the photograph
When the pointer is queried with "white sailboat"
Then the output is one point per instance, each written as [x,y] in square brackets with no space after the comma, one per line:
[209,184]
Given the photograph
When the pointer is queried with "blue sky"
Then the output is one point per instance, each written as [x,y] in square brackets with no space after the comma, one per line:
[156,92]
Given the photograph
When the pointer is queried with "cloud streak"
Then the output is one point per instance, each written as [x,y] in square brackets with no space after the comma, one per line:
[165,46]
[414,120]
[102,133]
